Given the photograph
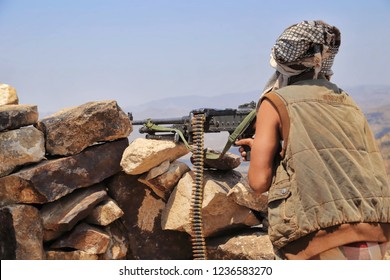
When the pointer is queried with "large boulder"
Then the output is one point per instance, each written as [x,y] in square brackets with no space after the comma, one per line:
[89,239]
[21,233]
[144,154]
[63,214]
[71,130]
[52,179]
[19,147]
[220,213]
[142,219]
[8,95]
[164,183]
[249,245]
[16,116]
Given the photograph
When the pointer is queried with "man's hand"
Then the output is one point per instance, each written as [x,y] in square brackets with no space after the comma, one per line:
[246,146]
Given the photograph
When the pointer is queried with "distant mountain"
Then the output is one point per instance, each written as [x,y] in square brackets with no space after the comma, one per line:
[179,106]
[367,97]
[379,120]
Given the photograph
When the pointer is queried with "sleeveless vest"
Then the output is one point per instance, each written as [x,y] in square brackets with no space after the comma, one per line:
[331,171]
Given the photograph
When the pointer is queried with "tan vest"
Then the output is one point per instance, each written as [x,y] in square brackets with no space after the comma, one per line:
[332,172]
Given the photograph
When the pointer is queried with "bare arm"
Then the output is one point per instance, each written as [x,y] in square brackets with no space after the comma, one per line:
[263,147]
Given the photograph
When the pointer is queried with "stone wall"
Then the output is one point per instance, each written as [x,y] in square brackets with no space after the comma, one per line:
[73,187]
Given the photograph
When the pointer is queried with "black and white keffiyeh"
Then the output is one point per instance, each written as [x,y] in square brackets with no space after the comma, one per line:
[309,45]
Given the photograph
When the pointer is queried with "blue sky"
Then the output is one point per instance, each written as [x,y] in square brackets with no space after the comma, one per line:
[63,53]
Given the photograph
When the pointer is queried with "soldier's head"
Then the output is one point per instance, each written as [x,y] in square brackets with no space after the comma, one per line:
[306,47]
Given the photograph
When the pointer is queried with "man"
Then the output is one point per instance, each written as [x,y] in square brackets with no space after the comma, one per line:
[328,191]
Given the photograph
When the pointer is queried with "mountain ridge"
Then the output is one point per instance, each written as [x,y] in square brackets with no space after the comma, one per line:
[367,97]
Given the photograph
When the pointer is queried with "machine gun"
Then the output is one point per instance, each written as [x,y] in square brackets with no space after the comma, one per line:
[239,123]
[190,130]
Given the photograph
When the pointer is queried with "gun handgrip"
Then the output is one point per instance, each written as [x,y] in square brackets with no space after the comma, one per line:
[247,149]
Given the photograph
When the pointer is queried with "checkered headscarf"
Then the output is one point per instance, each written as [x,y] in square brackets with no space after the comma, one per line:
[309,45]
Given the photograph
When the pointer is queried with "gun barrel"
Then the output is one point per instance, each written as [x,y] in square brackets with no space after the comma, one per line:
[181,120]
